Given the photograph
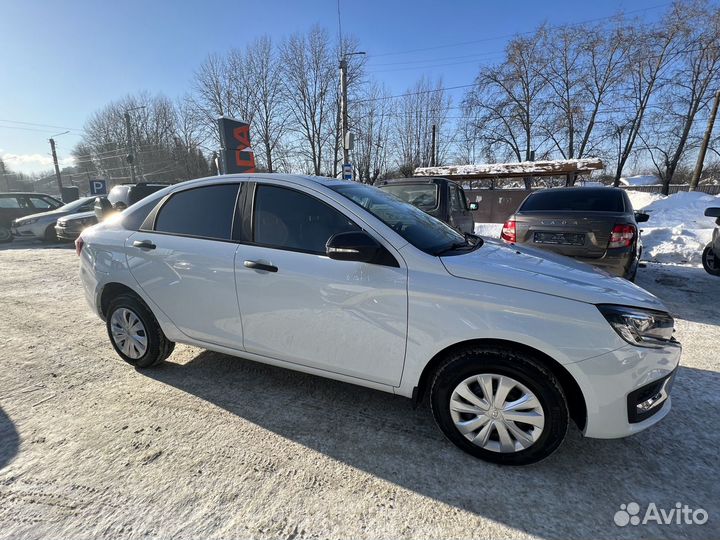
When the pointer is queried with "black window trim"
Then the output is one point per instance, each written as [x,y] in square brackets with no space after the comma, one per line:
[148,226]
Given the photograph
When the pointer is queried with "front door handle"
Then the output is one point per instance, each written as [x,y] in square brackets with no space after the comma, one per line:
[255,265]
[144,244]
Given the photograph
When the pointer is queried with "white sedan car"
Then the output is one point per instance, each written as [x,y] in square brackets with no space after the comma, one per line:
[345,281]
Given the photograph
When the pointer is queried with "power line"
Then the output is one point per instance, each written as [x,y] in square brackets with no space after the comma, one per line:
[39,125]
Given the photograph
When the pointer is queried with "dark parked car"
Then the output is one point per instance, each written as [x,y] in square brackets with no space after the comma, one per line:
[439,197]
[17,205]
[596,225]
[119,198]
[711,253]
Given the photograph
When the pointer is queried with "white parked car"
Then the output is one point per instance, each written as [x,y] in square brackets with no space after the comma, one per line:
[345,281]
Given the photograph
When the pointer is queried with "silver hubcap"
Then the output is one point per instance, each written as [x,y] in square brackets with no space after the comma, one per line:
[128,333]
[710,259]
[497,413]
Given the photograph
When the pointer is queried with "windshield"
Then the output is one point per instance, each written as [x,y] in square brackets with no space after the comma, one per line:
[420,229]
[72,206]
[575,200]
[424,196]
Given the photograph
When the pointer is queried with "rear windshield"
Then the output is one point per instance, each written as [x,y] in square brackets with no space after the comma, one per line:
[423,196]
[575,200]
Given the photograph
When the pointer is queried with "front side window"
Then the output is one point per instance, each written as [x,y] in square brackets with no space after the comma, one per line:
[288,219]
[205,212]
[420,229]
[424,196]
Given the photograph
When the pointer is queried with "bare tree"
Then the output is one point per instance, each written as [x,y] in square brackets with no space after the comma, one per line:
[688,86]
[422,106]
[265,89]
[372,122]
[309,76]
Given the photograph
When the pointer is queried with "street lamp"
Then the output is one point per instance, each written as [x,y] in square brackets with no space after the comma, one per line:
[346,138]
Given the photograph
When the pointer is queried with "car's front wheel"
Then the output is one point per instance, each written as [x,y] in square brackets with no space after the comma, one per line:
[500,406]
[710,260]
[135,334]
[5,235]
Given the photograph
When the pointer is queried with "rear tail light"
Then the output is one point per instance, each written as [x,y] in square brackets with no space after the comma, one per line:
[79,243]
[508,231]
[622,236]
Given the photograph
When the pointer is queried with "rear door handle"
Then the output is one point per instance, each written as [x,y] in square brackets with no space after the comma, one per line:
[260,266]
[144,244]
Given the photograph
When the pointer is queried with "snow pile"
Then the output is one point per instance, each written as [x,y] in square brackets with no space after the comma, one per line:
[640,180]
[677,231]
[488,230]
[523,168]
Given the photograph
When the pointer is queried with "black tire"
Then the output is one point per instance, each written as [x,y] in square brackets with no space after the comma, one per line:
[710,260]
[159,347]
[50,235]
[522,368]
[5,235]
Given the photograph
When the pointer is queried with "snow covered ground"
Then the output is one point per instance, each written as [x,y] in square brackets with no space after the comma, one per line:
[676,233]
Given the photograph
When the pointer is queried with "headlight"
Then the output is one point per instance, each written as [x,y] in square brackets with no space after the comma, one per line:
[641,327]
[20,223]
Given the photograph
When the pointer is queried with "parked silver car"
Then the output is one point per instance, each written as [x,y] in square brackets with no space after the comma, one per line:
[42,226]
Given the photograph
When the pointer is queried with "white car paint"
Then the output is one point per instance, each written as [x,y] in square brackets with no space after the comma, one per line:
[380,326]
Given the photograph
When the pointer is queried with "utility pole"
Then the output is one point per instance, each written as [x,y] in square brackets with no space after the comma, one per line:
[433,158]
[130,154]
[4,173]
[703,147]
[55,161]
[346,143]
[344,109]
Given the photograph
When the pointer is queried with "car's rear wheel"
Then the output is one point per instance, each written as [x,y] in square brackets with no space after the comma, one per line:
[135,334]
[710,260]
[5,235]
[500,406]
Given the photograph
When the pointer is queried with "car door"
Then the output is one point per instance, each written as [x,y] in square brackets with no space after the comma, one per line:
[460,216]
[183,258]
[300,306]
[13,207]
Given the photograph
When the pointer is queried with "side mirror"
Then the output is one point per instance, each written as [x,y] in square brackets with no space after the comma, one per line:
[473,206]
[102,208]
[641,217]
[713,211]
[352,246]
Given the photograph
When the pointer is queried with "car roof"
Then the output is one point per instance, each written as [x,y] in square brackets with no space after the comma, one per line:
[297,179]
[578,188]
[35,193]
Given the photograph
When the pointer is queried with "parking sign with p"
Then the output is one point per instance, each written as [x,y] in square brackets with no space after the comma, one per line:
[98,187]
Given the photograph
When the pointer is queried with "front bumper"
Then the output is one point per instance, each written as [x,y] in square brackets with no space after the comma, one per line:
[67,233]
[615,382]
[31,232]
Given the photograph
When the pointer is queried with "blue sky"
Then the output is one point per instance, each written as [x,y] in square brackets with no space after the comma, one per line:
[63,60]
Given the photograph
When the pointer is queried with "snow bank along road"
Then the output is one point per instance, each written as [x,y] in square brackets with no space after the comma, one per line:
[216,447]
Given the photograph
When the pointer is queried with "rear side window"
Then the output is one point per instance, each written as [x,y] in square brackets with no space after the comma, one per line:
[454,199]
[205,212]
[9,202]
[288,219]
[575,200]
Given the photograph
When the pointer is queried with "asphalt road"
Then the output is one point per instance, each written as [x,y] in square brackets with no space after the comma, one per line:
[213,446]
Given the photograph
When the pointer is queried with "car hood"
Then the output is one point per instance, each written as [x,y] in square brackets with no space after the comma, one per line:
[540,271]
[50,215]
[80,215]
